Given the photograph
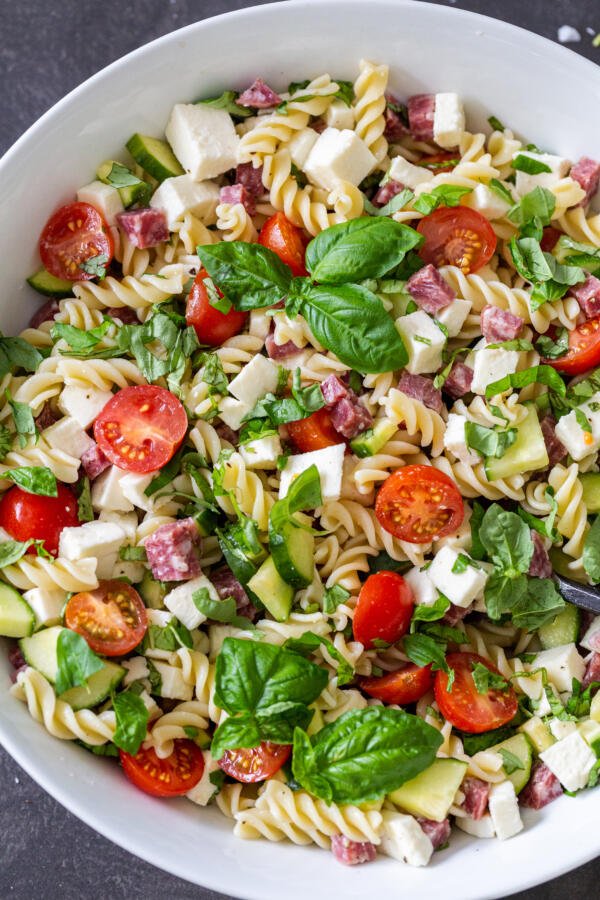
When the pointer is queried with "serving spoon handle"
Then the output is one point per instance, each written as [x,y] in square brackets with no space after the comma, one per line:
[583,595]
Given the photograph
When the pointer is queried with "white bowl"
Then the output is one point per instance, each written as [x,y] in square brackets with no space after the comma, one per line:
[542,91]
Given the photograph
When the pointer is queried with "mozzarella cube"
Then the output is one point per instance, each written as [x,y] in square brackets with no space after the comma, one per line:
[47,605]
[137,670]
[571,760]
[561,729]
[132,571]
[456,442]
[83,404]
[107,494]
[103,197]
[423,340]
[154,710]
[90,539]
[179,601]
[68,435]
[205,790]
[107,564]
[203,139]
[485,201]
[578,442]
[181,194]
[448,120]
[128,522]
[259,377]
[232,412]
[339,115]
[407,174]
[562,664]
[403,839]
[173,685]
[558,165]
[461,588]
[259,324]
[329,462]
[492,365]
[300,146]
[480,828]
[422,586]
[591,639]
[133,486]
[159,617]
[453,316]
[504,810]
[338,156]
[262,453]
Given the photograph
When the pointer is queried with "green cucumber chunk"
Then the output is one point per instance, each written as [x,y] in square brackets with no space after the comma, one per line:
[154,156]
[206,520]
[293,551]
[527,453]
[140,192]
[563,629]
[432,792]
[590,482]
[520,747]
[538,733]
[272,590]
[17,619]
[590,732]
[152,592]
[98,687]
[49,285]
[595,707]
[39,651]
[374,439]
[561,562]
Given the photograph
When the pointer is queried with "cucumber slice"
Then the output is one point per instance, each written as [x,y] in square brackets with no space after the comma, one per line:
[17,619]
[293,551]
[590,732]
[564,629]
[538,733]
[371,442]
[206,520]
[528,451]
[50,286]
[39,651]
[595,707]
[272,590]
[432,792]
[139,192]
[154,156]
[560,563]
[520,747]
[99,686]
[152,592]
[590,482]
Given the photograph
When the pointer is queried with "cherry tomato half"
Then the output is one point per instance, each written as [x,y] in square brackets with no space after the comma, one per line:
[440,162]
[405,686]
[584,349]
[251,764]
[212,326]
[314,433]
[457,236]
[419,504]
[463,706]
[141,427]
[170,777]
[286,240]
[384,609]
[73,234]
[111,618]
[26,516]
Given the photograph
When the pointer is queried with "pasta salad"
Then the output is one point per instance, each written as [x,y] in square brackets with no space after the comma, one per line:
[288,455]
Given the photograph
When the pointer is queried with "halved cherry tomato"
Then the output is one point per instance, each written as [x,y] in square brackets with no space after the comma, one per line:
[314,433]
[436,161]
[251,764]
[457,236]
[73,234]
[384,609]
[584,349]
[419,504]
[212,326]
[549,238]
[463,706]
[112,618]
[170,777]
[286,240]
[402,687]
[141,427]
[26,516]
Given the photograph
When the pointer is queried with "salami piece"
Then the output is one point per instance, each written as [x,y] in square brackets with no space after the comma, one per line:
[542,788]
[352,853]
[429,290]
[421,388]
[173,551]
[259,96]
[499,324]
[144,227]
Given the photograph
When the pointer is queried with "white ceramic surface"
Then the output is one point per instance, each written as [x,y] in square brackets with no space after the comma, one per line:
[544,92]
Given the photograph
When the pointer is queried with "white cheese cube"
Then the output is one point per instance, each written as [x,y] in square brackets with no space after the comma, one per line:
[127,521]
[407,174]
[107,494]
[338,156]
[233,411]
[422,586]
[133,486]
[480,828]
[137,670]
[485,201]
[455,440]
[492,365]
[423,340]
[154,710]
[203,139]
[504,810]
[259,324]
[107,564]
[181,194]
[90,539]
[561,729]
[448,120]
[132,571]
[339,115]
[301,144]
[403,839]
[179,601]
[571,760]
[259,377]
[591,639]
[461,588]
[104,197]
[558,165]
[68,435]
[454,315]
[83,404]
[562,664]
[47,605]
[205,790]
[262,453]
[578,442]
[173,685]
[159,617]
[329,462]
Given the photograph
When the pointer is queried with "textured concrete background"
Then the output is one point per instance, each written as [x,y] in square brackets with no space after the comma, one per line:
[46,49]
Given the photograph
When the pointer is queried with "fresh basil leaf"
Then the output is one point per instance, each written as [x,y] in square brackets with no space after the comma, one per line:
[486,681]
[23,419]
[443,195]
[556,707]
[515,344]
[216,299]
[577,253]
[120,176]
[132,721]
[474,743]
[77,338]
[224,610]
[76,662]
[553,348]
[12,551]
[276,724]
[580,701]
[500,190]
[171,637]
[85,512]
[524,163]
[6,442]
[332,598]
[304,491]
[227,101]
[422,650]
[495,123]
[345,92]
[33,479]
[132,554]
[95,265]
[529,259]
[399,201]
[309,642]
[431,613]
[488,441]
[383,562]
[213,373]
[510,761]
[591,552]
[250,275]
[507,540]
[235,732]
[545,528]
[502,592]
[535,375]
[16,353]
[255,429]
[477,548]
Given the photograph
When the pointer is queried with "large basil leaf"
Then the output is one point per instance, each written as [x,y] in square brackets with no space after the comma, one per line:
[251,276]
[591,552]
[16,353]
[76,662]
[132,721]
[507,540]
[540,605]
[34,479]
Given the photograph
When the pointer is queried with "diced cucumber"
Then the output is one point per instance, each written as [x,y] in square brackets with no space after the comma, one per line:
[50,286]
[39,651]
[371,441]
[590,482]
[17,619]
[138,192]
[560,563]
[272,590]
[528,451]
[595,707]
[563,629]
[590,732]
[97,688]
[538,733]
[154,156]
[520,747]
[152,592]
[206,521]
[293,550]
[432,792]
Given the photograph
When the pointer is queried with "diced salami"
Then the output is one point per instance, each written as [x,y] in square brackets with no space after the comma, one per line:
[352,853]
[318,125]
[227,585]
[421,110]
[144,227]
[125,314]
[456,614]
[429,290]
[237,193]
[421,388]
[226,433]
[499,324]
[395,129]
[173,551]
[251,178]
[333,390]
[592,671]
[46,418]
[587,295]
[386,192]
[94,462]
[349,417]
[458,383]
[476,794]
[540,565]
[586,172]
[437,832]
[280,351]
[17,661]
[259,96]
[555,449]
[542,788]
[45,313]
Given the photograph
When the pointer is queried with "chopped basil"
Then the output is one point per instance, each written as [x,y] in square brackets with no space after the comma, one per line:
[227,101]
[582,420]
[495,123]
[224,610]
[80,341]
[501,191]
[443,195]
[34,479]
[535,375]
[489,442]
[529,164]
[515,344]
[431,613]
[95,265]
[591,552]
[23,419]
[553,348]
[12,551]
[399,201]
[85,512]
[510,761]
[76,662]
[486,680]
[332,598]
[309,642]
[132,721]
[15,353]
[216,300]
[132,554]
[537,206]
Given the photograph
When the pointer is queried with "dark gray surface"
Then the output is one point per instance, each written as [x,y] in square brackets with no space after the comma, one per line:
[46,49]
